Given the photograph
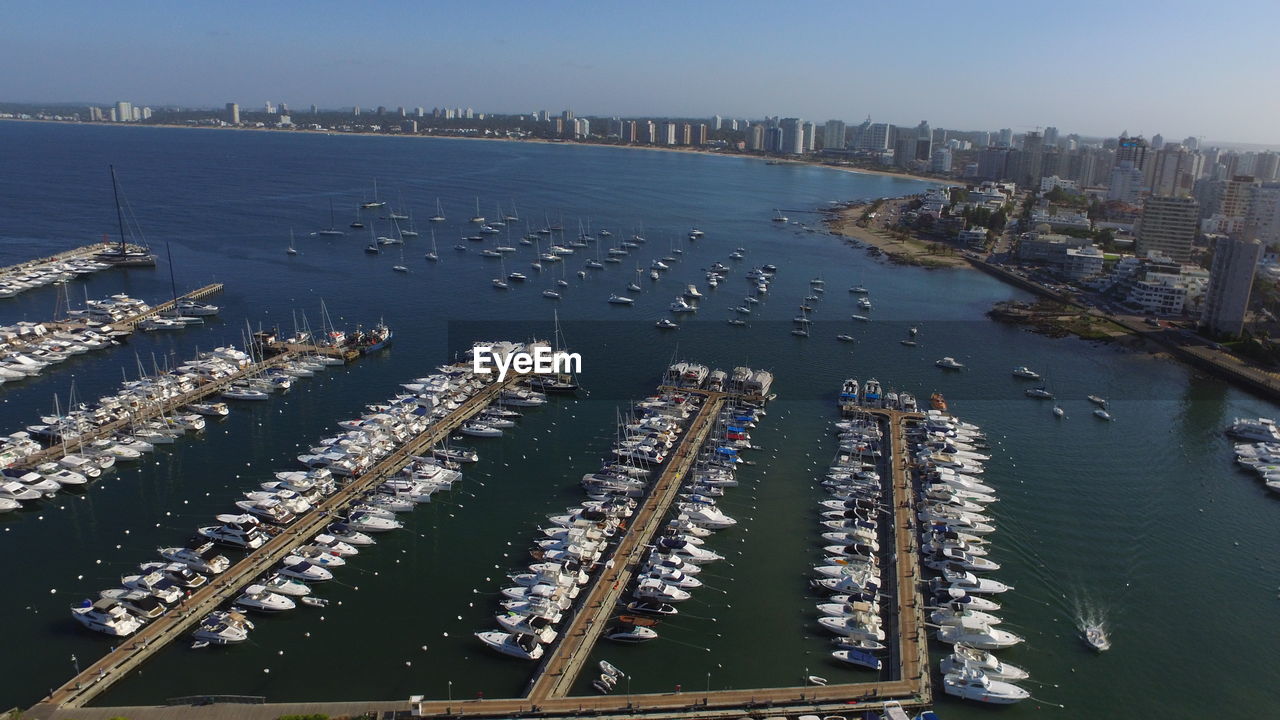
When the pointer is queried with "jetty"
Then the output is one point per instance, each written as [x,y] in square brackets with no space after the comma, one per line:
[80,253]
[115,665]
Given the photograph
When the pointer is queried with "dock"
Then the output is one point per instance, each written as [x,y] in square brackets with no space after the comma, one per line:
[556,675]
[136,650]
[548,693]
[79,253]
[56,451]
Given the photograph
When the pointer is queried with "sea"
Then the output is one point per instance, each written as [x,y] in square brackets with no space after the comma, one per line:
[1144,523]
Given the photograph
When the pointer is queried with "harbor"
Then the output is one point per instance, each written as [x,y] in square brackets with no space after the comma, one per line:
[765,640]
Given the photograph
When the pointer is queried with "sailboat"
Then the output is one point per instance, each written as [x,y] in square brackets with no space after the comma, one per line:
[124,254]
[500,282]
[410,233]
[434,255]
[514,216]
[563,383]
[439,216]
[292,250]
[357,223]
[332,230]
[497,221]
[375,203]
[562,282]
[477,218]
[635,285]
[372,248]
[401,267]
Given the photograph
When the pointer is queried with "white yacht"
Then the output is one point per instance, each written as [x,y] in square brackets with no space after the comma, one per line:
[299,569]
[1254,430]
[1024,372]
[525,647]
[949,363]
[973,684]
[204,559]
[106,616]
[620,300]
[259,598]
[978,635]
[963,657]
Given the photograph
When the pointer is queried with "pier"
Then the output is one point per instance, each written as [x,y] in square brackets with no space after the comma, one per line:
[80,253]
[56,451]
[556,675]
[548,694]
[136,650]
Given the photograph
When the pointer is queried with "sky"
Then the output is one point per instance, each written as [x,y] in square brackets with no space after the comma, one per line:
[1096,68]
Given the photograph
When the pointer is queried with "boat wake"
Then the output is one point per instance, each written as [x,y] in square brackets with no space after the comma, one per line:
[1091,620]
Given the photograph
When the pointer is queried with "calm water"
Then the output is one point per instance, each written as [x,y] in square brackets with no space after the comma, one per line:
[1144,520]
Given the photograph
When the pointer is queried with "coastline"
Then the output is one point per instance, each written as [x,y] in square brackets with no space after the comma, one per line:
[542,141]
[846,222]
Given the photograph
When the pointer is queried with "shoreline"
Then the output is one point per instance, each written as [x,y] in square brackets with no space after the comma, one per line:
[541,141]
[845,220]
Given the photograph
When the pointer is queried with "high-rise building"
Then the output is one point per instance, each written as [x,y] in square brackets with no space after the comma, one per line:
[904,150]
[873,136]
[833,135]
[1126,183]
[418,111]
[792,136]
[95,114]
[137,114]
[940,160]
[991,163]
[1191,143]
[146,113]
[355,110]
[401,111]
[716,122]
[1006,138]
[772,139]
[667,134]
[629,131]
[315,110]
[1051,136]
[1157,142]
[112,115]
[686,134]
[1031,168]
[755,138]
[1230,282]
[1134,150]
[648,132]
[124,111]
[924,141]
[810,137]
[1266,165]
[1169,225]
[1174,170]
[581,128]
[1262,221]
[270,109]
[700,134]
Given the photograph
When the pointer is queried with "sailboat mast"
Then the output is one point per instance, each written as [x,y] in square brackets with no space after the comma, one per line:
[115,192]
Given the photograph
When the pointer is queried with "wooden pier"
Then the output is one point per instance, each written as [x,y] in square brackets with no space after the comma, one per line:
[556,675]
[136,650]
[198,294]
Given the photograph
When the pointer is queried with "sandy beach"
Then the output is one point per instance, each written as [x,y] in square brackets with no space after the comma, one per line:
[847,222]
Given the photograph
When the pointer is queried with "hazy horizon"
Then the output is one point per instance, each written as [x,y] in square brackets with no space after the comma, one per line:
[1094,69]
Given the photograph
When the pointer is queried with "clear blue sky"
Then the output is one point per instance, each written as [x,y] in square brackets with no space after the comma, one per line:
[1097,68]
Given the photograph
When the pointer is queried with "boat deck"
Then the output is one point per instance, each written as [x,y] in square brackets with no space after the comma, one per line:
[115,665]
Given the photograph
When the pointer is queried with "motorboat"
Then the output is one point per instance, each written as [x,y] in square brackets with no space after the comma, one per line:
[180,574]
[666,324]
[949,363]
[963,657]
[978,635]
[299,569]
[260,599]
[204,558]
[628,633]
[1023,372]
[1102,414]
[620,300]
[845,338]
[857,657]
[973,684]
[368,523]
[1096,636]
[525,647]
[651,608]
[222,627]
[656,590]
[347,534]
[106,616]
[1249,429]
[1040,393]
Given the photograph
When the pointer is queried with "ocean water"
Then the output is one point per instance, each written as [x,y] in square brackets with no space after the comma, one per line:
[1144,521]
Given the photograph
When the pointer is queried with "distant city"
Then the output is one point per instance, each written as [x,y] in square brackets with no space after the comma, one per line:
[1134,219]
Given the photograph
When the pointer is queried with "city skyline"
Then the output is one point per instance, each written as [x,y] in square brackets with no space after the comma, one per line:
[987,72]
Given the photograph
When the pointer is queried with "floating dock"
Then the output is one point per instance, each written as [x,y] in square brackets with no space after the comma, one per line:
[137,649]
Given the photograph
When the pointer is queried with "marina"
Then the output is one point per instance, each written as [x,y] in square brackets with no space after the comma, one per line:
[101,674]
[1053,560]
